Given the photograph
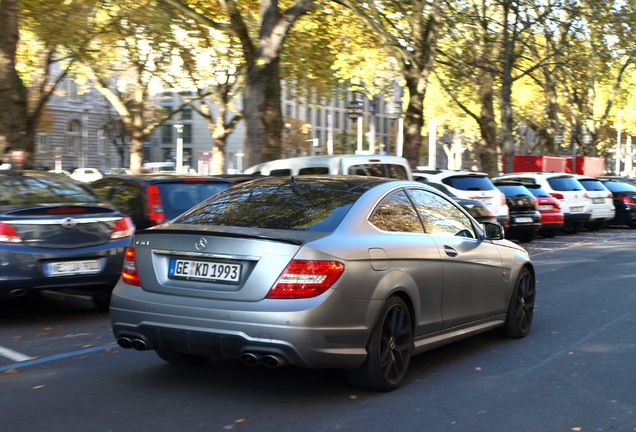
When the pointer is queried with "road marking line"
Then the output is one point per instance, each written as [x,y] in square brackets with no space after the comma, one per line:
[572,346]
[56,357]
[13,355]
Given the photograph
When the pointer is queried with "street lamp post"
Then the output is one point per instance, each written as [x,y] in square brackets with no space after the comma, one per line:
[179,147]
[355,110]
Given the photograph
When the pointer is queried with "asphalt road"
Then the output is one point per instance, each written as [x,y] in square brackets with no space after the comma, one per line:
[576,371]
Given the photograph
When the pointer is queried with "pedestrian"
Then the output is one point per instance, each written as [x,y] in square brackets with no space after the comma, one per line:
[19,160]
[6,158]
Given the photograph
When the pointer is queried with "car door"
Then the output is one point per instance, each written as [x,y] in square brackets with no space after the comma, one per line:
[473,276]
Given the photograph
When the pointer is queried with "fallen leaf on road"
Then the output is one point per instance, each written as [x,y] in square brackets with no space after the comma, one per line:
[37,387]
[11,371]
[353,397]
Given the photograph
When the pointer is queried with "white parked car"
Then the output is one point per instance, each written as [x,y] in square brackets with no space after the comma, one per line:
[571,194]
[601,202]
[86,174]
[470,185]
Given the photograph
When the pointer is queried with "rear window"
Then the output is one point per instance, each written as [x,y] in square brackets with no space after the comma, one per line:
[21,189]
[179,197]
[469,183]
[616,186]
[301,204]
[593,185]
[514,190]
[379,170]
[565,184]
[538,191]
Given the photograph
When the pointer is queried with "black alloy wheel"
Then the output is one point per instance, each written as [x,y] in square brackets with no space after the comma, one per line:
[389,349]
[521,307]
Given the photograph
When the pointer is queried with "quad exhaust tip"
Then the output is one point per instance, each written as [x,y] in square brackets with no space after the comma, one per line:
[269,360]
[136,343]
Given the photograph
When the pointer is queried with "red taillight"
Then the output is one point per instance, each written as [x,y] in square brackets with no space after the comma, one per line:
[123,228]
[557,196]
[305,279]
[8,234]
[155,210]
[627,200]
[129,274]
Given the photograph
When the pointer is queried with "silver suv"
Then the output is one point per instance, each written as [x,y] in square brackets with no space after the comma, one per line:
[601,202]
[571,194]
[470,185]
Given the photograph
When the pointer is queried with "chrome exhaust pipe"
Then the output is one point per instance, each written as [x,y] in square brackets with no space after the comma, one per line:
[250,359]
[273,360]
[124,342]
[139,344]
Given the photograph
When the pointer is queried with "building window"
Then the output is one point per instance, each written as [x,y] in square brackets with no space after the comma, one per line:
[186,113]
[101,142]
[43,144]
[166,133]
[73,90]
[73,137]
[308,115]
[288,110]
[187,134]
[318,116]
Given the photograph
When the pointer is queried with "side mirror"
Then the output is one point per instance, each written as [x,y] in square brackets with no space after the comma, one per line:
[493,231]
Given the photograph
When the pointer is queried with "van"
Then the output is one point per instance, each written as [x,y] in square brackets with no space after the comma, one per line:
[366,165]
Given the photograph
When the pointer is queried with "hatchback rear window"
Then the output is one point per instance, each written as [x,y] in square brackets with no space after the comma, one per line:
[593,185]
[514,190]
[379,170]
[469,183]
[565,184]
[179,197]
[616,186]
[22,189]
[298,204]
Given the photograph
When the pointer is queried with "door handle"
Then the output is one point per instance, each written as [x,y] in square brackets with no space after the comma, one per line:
[451,252]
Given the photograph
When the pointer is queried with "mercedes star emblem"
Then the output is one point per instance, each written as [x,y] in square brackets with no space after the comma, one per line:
[200,244]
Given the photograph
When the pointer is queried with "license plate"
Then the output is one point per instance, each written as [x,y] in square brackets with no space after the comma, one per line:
[68,268]
[576,209]
[204,270]
[523,220]
[544,207]
[598,200]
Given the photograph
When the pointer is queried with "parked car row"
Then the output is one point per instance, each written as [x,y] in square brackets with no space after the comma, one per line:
[562,202]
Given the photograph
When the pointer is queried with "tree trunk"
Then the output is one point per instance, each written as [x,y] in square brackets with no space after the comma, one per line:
[488,124]
[13,95]
[414,119]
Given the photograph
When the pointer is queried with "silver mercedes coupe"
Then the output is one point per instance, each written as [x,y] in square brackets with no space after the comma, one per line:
[355,273]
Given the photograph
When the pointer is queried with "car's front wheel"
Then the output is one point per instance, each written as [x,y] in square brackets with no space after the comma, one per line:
[388,351]
[520,308]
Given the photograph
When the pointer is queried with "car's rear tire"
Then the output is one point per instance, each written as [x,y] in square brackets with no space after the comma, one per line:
[178,358]
[389,349]
[573,228]
[520,308]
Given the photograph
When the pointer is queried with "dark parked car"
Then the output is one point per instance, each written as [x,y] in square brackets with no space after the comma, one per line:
[552,217]
[57,234]
[357,273]
[525,218]
[152,199]
[624,195]
[477,209]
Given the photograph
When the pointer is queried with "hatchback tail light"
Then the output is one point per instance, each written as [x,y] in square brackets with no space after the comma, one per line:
[155,209]
[503,199]
[557,195]
[129,274]
[124,227]
[8,234]
[627,199]
[305,279]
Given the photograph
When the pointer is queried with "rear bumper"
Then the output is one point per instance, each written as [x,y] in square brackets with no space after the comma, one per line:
[23,269]
[305,333]
[576,218]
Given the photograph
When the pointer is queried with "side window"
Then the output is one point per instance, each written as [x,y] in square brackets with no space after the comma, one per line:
[280,172]
[396,213]
[313,170]
[440,216]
